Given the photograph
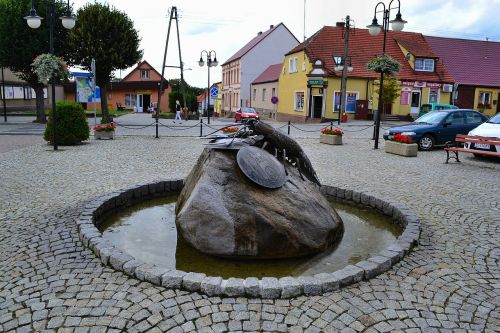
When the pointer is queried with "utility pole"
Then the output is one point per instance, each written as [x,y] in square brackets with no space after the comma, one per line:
[173,16]
[3,98]
[346,64]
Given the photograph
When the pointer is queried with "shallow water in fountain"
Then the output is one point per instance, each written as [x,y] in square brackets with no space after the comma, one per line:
[147,231]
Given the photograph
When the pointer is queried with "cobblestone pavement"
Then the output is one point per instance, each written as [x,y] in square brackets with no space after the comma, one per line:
[50,282]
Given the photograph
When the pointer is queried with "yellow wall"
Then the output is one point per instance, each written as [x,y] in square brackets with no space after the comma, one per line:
[290,83]
[494,97]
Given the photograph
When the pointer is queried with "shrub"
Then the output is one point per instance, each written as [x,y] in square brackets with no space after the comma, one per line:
[71,122]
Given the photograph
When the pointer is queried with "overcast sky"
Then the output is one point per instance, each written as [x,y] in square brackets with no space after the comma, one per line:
[227,25]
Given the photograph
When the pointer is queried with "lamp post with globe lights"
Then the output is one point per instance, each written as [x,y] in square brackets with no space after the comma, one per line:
[374,29]
[68,21]
[210,63]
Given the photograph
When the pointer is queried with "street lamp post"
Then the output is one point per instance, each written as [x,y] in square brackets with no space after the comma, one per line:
[68,21]
[210,63]
[374,29]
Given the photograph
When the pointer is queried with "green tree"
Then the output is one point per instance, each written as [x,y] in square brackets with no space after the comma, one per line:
[107,35]
[19,44]
[390,92]
[190,92]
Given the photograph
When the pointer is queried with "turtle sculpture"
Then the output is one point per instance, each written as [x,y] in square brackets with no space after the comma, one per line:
[254,194]
[256,133]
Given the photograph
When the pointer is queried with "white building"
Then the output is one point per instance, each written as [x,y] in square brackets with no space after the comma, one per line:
[240,70]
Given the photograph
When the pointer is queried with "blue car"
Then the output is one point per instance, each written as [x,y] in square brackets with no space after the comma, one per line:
[438,127]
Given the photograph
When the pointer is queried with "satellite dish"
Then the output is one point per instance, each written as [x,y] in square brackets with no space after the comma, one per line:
[408,56]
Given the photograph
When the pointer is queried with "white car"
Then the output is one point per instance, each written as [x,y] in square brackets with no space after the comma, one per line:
[491,128]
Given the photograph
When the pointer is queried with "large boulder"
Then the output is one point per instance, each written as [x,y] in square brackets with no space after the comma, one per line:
[222,213]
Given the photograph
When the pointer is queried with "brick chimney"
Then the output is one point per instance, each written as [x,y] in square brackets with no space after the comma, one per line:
[340,24]
[259,33]
[271,26]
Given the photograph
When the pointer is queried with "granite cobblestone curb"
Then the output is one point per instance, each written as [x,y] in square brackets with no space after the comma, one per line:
[95,211]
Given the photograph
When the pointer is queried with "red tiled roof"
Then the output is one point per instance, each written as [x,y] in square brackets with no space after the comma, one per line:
[271,74]
[471,62]
[139,65]
[250,45]
[363,47]
[416,46]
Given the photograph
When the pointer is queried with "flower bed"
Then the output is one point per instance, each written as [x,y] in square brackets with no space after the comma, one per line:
[401,145]
[229,130]
[331,136]
[104,131]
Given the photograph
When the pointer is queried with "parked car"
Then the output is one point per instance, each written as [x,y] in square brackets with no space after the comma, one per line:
[425,108]
[438,127]
[245,113]
[491,128]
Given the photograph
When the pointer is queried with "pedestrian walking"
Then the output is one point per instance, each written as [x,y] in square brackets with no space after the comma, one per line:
[178,112]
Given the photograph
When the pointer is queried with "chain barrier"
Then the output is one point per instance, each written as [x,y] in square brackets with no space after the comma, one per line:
[134,127]
[179,128]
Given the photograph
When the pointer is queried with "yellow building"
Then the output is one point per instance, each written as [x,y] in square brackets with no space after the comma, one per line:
[310,87]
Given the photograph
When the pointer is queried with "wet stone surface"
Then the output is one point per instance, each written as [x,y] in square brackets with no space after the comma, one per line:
[49,281]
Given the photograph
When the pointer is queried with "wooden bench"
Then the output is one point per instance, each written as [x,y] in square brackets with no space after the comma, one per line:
[120,107]
[460,139]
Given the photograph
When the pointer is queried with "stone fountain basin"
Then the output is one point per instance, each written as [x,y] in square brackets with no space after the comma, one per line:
[268,287]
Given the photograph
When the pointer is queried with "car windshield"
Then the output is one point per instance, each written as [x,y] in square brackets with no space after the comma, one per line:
[431,118]
[248,110]
[494,120]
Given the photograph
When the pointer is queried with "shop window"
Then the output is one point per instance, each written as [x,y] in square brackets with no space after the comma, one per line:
[130,100]
[351,98]
[299,101]
[405,96]
[434,96]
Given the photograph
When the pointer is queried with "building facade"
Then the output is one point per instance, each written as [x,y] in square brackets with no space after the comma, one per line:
[310,84]
[136,91]
[265,92]
[475,68]
[241,69]
[19,96]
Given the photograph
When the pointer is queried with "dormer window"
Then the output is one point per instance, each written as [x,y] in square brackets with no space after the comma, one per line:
[144,74]
[424,65]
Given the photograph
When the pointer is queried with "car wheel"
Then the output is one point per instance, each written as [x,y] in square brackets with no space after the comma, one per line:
[426,142]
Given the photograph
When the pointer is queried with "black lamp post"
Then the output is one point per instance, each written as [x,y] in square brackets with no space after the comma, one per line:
[68,21]
[210,63]
[374,29]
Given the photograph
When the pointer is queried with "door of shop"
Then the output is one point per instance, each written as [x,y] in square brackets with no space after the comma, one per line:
[361,109]
[317,106]
[415,101]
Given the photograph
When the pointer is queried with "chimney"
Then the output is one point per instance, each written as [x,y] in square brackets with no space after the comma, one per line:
[271,26]
[259,33]
[340,24]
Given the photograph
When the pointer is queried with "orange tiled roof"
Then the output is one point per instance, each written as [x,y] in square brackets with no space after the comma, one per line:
[363,47]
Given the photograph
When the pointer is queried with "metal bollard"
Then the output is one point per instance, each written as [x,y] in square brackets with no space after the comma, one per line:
[201,127]
[331,125]
[157,126]
[289,127]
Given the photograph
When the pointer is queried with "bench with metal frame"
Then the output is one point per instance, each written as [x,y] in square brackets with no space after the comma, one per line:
[460,139]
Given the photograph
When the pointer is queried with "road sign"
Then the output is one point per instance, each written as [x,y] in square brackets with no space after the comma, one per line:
[214,91]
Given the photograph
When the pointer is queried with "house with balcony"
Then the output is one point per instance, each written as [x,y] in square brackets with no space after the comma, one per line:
[475,68]
[136,91]
[242,68]
[310,80]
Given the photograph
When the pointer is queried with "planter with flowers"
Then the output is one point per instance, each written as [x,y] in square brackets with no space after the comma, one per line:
[229,130]
[401,145]
[104,131]
[331,136]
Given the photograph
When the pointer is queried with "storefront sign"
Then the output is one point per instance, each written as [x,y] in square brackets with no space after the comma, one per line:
[315,83]
[420,84]
[144,92]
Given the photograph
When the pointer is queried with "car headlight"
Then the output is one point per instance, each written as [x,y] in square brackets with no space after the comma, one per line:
[408,133]
[386,133]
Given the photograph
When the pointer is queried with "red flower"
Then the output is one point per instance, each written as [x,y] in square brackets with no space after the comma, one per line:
[328,131]
[230,129]
[398,137]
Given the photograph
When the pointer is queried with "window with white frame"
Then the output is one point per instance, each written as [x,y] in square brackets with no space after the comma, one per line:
[299,101]
[144,74]
[290,65]
[254,94]
[304,66]
[350,103]
[484,97]
[424,65]
[295,65]
[263,94]
[273,92]
[434,96]
[27,93]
